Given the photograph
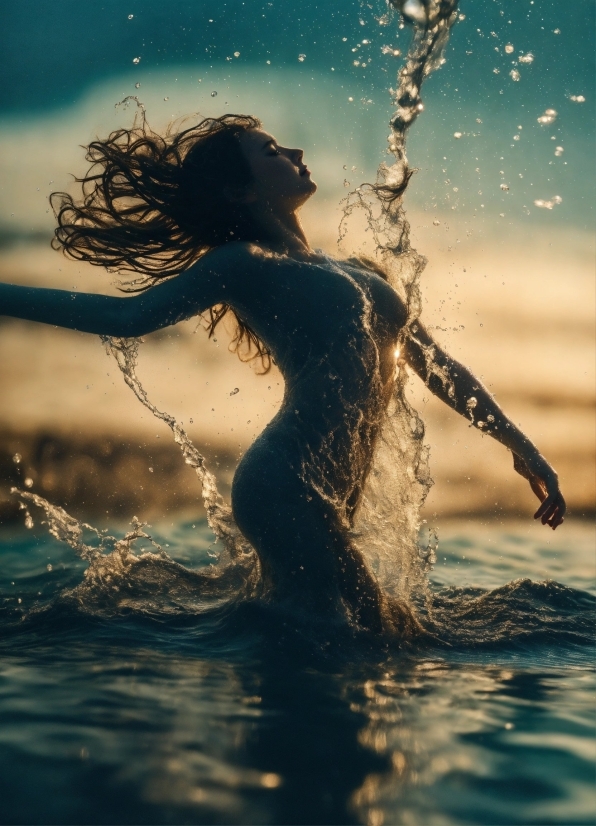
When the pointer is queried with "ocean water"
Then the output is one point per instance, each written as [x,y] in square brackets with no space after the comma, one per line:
[138,696]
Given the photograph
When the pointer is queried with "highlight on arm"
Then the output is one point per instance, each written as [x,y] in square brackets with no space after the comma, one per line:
[152,205]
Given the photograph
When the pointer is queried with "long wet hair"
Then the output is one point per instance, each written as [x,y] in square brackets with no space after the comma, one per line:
[153,205]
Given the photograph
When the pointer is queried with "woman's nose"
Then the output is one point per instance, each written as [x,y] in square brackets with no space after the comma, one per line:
[297,155]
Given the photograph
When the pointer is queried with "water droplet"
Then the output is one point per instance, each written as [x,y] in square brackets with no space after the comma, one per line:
[548,117]
[577,98]
[346,183]
[526,58]
[509,49]
[137,85]
[17,458]
[234,391]
[48,567]
[509,726]
[350,100]
[472,401]
[28,482]
[436,223]
[558,151]
[214,94]
[542,204]
[356,63]
[150,470]
[236,54]
[166,98]
[130,16]
[505,187]
[414,10]
[301,58]
[514,75]
[28,522]
[136,60]
[457,135]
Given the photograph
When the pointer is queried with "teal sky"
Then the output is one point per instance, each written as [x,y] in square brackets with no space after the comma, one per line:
[55,54]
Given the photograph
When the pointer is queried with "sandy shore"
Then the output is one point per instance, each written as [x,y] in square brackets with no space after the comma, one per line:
[519,311]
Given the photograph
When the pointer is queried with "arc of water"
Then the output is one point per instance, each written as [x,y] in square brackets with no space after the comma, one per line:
[392,505]
[219,514]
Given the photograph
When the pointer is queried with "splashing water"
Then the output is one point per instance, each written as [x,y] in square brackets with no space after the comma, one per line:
[118,578]
[389,519]
[219,515]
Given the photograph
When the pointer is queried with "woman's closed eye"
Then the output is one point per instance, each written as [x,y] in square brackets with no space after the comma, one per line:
[272,148]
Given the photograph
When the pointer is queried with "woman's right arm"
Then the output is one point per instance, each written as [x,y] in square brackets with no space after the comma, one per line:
[203,285]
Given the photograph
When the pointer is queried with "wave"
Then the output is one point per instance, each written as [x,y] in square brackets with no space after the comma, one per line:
[218,604]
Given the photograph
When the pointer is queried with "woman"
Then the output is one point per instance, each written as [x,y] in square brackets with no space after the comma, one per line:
[216,206]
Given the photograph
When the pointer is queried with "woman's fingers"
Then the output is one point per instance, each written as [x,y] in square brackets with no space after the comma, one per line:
[542,478]
[552,511]
[545,506]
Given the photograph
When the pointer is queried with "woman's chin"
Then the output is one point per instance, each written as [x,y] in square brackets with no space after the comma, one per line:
[311,188]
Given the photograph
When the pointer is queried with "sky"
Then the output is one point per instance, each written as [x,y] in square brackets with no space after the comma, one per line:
[66,64]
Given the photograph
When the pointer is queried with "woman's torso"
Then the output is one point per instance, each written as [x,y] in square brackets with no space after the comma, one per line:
[332,328]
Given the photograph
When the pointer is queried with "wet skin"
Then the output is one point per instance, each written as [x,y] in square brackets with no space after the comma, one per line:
[332,328]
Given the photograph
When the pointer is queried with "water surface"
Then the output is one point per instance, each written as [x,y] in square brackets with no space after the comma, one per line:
[160,706]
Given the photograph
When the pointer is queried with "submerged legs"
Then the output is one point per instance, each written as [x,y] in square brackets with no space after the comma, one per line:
[306,555]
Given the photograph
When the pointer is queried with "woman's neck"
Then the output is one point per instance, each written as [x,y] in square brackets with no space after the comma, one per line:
[284,234]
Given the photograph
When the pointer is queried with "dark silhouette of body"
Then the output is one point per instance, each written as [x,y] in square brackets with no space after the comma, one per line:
[332,327]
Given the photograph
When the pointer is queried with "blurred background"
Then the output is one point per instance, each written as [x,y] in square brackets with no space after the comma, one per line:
[502,206]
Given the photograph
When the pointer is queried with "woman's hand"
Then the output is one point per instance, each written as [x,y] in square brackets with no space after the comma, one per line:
[545,484]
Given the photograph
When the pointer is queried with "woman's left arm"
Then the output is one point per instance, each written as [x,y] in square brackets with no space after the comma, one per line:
[455,385]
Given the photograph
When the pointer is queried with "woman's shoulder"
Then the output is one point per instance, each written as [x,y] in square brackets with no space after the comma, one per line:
[235,257]
[245,252]
[364,263]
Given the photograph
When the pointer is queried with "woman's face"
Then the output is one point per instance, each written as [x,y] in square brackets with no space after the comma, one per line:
[281,181]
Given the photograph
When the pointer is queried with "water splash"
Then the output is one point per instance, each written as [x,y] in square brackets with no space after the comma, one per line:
[219,514]
[399,482]
[122,578]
